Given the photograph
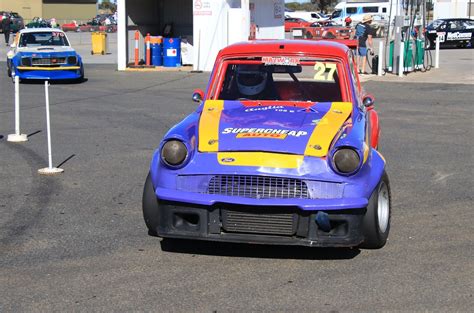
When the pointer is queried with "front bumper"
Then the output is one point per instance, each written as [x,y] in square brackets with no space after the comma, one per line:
[53,73]
[259,224]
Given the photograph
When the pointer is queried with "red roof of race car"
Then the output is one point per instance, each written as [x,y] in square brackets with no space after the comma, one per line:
[260,47]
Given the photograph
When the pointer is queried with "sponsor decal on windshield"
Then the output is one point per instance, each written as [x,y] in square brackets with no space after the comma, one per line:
[291,61]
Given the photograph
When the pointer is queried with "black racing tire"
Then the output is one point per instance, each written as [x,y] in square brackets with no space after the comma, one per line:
[81,78]
[309,35]
[150,207]
[376,221]
[9,71]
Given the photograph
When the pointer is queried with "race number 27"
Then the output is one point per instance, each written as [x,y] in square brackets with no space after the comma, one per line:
[321,69]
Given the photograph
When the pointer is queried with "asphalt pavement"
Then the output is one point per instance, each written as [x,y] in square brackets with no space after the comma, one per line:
[77,242]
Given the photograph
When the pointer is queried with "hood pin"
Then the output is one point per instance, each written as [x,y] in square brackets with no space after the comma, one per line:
[317,147]
[337,111]
[210,109]
[212,141]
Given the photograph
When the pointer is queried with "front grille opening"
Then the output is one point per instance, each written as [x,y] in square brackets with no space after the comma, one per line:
[262,220]
[49,61]
[258,187]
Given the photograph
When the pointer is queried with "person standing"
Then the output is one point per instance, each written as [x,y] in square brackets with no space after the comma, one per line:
[6,26]
[364,33]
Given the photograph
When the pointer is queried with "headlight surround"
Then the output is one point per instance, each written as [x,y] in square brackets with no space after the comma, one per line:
[174,153]
[26,61]
[346,161]
[72,60]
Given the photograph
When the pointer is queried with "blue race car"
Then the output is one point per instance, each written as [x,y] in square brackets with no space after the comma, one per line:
[43,53]
[281,150]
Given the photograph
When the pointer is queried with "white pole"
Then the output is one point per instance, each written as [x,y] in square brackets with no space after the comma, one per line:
[17,105]
[122,34]
[17,136]
[401,63]
[437,53]
[48,124]
[49,170]
[381,59]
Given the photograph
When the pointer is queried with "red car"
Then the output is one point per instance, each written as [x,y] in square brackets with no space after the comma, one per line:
[291,22]
[327,30]
[282,149]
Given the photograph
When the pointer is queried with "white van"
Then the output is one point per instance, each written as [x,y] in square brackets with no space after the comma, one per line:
[380,11]
[307,16]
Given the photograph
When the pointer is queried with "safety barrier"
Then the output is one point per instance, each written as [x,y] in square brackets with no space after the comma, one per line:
[19,137]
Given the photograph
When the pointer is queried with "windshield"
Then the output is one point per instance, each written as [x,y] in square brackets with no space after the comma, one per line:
[281,79]
[435,24]
[38,39]
[336,14]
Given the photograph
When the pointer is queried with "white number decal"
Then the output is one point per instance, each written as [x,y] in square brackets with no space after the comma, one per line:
[321,69]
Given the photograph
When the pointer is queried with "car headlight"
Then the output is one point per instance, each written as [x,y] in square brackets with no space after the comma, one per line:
[346,160]
[174,153]
[71,59]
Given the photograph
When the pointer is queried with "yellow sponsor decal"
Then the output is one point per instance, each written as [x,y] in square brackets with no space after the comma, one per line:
[45,68]
[327,128]
[260,159]
[260,135]
[209,126]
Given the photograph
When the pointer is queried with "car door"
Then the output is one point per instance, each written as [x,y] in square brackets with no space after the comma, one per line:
[458,33]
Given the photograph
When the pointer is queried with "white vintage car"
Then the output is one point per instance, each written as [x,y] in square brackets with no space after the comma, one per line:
[43,53]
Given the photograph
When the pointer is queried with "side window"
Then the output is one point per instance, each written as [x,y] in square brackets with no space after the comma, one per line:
[384,10]
[355,83]
[460,25]
[453,25]
[370,9]
[313,15]
[468,24]
[351,10]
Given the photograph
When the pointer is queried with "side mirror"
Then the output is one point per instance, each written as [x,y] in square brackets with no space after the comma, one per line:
[198,95]
[368,101]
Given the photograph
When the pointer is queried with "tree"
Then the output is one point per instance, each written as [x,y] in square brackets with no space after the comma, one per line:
[108,5]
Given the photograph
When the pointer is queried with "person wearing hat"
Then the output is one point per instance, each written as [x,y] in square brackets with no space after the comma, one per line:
[363,34]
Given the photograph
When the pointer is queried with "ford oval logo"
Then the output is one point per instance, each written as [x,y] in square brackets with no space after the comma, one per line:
[228,160]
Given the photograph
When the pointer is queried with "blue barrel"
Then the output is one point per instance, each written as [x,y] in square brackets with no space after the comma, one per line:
[172,52]
[156,52]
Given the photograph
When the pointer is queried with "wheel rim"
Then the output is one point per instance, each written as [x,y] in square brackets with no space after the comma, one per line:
[383,208]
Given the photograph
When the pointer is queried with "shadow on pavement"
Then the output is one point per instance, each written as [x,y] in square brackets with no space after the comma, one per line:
[256,251]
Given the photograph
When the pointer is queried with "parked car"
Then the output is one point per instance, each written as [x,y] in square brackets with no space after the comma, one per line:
[454,32]
[327,30]
[38,22]
[308,16]
[282,149]
[17,21]
[43,53]
[292,22]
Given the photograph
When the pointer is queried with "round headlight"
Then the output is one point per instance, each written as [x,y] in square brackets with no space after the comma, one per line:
[174,152]
[346,160]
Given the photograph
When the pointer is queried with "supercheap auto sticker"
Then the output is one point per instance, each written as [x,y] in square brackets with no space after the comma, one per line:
[263,132]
